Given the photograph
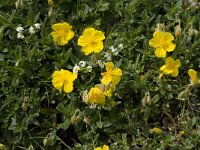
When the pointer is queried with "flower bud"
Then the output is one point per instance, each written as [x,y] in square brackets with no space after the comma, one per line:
[156,130]
[191,31]
[178,30]
[86,120]
[160,27]
[2,147]
[50,12]
[50,2]
[24,106]
[19,4]
[45,142]
[148,99]
[30,147]
[75,119]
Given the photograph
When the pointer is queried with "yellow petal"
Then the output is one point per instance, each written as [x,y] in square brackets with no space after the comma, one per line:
[105,147]
[117,72]
[66,26]
[166,70]
[169,46]
[168,37]
[193,75]
[106,79]
[72,77]
[98,47]
[160,52]
[89,32]
[109,66]
[57,80]
[175,73]
[87,49]
[57,83]
[63,40]
[115,80]
[82,41]
[177,63]
[169,60]
[56,73]
[99,35]
[57,26]
[154,43]
[68,87]
[96,96]
[70,34]
[56,36]
[158,34]
[163,68]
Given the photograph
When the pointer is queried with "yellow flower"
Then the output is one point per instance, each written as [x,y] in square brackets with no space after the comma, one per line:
[113,74]
[62,33]
[91,41]
[105,147]
[162,42]
[156,130]
[193,76]
[106,89]
[95,96]
[63,79]
[171,66]
[181,132]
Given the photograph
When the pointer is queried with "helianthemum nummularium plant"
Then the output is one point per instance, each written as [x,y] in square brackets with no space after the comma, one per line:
[63,79]
[112,74]
[193,76]
[62,33]
[96,96]
[91,41]
[162,42]
[171,66]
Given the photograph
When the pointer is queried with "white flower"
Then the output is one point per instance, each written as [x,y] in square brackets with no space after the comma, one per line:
[107,56]
[82,63]
[37,25]
[121,46]
[89,68]
[19,29]
[115,53]
[31,30]
[93,106]
[100,63]
[76,69]
[113,49]
[20,35]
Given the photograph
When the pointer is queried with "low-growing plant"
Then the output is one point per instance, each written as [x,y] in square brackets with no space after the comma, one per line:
[99,75]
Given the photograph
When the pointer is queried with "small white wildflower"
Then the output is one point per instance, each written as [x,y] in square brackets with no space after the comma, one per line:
[19,29]
[89,68]
[37,25]
[100,63]
[31,30]
[113,49]
[115,53]
[107,56]
[20,35]
[93,106]
[76,68]
[121,46]
[82,63]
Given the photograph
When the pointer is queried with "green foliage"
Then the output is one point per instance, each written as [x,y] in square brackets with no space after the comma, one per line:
[34,115]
